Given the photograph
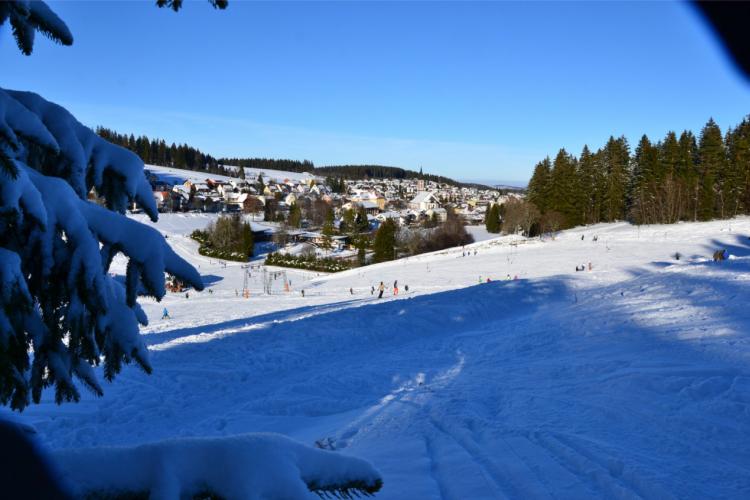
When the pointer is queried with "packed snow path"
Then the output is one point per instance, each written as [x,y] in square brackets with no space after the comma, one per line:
[629,381]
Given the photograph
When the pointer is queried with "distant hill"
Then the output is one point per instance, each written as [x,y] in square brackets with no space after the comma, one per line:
[385,172]
[159,152]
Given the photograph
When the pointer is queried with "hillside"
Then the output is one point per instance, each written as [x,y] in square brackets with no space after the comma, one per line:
[157,152]
[178,175]
[630,380]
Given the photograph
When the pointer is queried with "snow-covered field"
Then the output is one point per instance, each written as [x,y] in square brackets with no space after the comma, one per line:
[178,175]
[630,380]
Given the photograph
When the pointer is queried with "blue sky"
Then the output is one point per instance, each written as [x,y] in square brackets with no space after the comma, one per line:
[472,90]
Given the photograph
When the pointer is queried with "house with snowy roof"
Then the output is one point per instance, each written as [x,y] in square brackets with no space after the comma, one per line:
[370,207]
[161,198]
[235,199]
[424,200]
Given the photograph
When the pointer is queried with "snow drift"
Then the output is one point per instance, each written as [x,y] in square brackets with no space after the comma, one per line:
[248,466]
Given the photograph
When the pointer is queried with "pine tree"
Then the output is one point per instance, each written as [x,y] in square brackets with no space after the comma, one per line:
[57,299]
[615,159]
[672,193]
[643,182]
[687,173]
[733,178]
[711,163]
[740,157]
[294,218]
[564,190]
[539,186]
[247,244]
[363,223]
[588,184]
[328,230]
[492,219]
[348,221]
[384,246]
[361,246]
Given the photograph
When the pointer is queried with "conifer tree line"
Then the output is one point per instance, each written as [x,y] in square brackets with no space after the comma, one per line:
[270,164]
[385,172]
[678,178]
[158,152]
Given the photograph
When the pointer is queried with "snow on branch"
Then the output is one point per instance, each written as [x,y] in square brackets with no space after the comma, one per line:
[243,466]
[85,160]
[55,251]
[27,17]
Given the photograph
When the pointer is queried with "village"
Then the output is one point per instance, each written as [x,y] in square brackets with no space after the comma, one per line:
[269,198]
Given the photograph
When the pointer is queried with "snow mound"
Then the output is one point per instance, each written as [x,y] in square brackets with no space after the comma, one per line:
[247,466]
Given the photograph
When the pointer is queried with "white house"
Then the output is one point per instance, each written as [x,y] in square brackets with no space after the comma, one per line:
[424,200]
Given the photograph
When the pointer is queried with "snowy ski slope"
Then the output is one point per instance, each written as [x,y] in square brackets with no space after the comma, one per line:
[178,175]
[631,380]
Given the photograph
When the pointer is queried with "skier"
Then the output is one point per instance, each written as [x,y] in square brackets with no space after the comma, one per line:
[165,314]
[303,294]
[590,266]
[351,291]
[395,287]
[381,289]
[475,253]
[406,288]
[581,237]
[372,290]
[187,295]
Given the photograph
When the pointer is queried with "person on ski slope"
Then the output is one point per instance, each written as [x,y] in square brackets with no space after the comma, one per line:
[381,289]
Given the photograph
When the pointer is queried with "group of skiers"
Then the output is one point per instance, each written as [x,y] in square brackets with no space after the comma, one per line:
[720,255]
[381,289]
[583,267]
[468,252]
[507,278]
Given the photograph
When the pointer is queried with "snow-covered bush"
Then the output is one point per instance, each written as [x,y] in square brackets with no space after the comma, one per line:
[309,262]
[249,466]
